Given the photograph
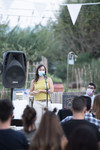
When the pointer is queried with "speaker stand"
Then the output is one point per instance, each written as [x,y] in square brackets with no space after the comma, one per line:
[11,94]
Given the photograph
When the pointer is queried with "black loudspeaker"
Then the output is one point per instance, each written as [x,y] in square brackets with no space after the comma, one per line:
[14,69]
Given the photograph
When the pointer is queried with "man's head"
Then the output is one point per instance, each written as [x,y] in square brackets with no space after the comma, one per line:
[91,89]
[6,109]
[79,104]
[88,102]
[92,86]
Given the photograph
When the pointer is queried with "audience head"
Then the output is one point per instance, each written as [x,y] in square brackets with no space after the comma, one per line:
[82,138]
[49,133]
[88,102]
[6,109]
[79,104]
[96,106]
[28,117]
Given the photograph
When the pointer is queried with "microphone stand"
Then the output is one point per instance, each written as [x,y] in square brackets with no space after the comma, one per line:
[47,90]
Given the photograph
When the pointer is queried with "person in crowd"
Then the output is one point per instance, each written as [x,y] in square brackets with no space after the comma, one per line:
[49,135]
[96,106]
[78,109]
[38,90]
[10,139]
[62,113]
[82,138]
[88,106]
[88,115]
[90,92]
[28,119]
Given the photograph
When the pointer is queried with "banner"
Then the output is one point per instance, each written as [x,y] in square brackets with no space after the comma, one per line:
[74,10]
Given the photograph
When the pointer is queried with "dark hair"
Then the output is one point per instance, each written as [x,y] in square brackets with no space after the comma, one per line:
[49,133]
[78,103]
[88,102]
[6,109]
[36,74]
[92,84]
[28,117]
[82,138]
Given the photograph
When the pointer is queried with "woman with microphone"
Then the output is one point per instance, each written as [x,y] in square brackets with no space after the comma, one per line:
[38,89]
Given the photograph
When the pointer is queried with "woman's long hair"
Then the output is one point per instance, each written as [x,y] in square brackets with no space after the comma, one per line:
[36,74]
[49,133]
[96,106]
[28,117]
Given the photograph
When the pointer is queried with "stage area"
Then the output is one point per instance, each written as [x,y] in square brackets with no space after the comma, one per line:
[21,104]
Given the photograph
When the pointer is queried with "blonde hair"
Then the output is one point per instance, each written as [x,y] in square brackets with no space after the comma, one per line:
[96,106]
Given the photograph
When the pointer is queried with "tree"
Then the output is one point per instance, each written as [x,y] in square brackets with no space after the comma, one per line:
[84,35]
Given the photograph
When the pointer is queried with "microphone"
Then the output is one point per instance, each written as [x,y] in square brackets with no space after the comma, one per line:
[44,75]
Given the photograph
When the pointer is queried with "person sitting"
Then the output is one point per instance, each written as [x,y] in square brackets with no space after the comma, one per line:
[28,119]
[62,113]
[90,92]
[78,109]
[88,115]
[10,139]
[49,135]
[80,140]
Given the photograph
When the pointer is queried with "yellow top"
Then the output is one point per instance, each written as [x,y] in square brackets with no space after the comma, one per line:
[41,85]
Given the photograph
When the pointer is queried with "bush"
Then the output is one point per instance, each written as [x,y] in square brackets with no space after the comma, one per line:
[55,79]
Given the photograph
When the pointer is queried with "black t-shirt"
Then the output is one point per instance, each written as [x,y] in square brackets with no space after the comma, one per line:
[12,140]
[71,125]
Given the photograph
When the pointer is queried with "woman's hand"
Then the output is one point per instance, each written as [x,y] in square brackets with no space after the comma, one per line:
[32,91]
[35,92]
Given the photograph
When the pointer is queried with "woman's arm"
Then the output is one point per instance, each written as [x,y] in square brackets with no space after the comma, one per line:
[32,91]
[51,87]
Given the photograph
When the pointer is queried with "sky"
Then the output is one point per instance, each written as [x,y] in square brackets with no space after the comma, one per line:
[28,12]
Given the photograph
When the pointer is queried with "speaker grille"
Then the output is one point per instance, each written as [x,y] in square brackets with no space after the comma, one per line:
[15,75]
[14,69]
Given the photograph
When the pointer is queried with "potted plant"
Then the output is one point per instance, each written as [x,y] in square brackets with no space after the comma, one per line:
[58,86]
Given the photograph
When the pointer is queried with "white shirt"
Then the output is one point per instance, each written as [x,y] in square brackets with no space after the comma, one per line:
[92,99]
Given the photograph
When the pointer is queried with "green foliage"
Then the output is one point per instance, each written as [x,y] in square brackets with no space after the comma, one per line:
[89,70]
[84,35]
[61,70]
[24,40]
[55,79]
[84,57]
[96,73]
